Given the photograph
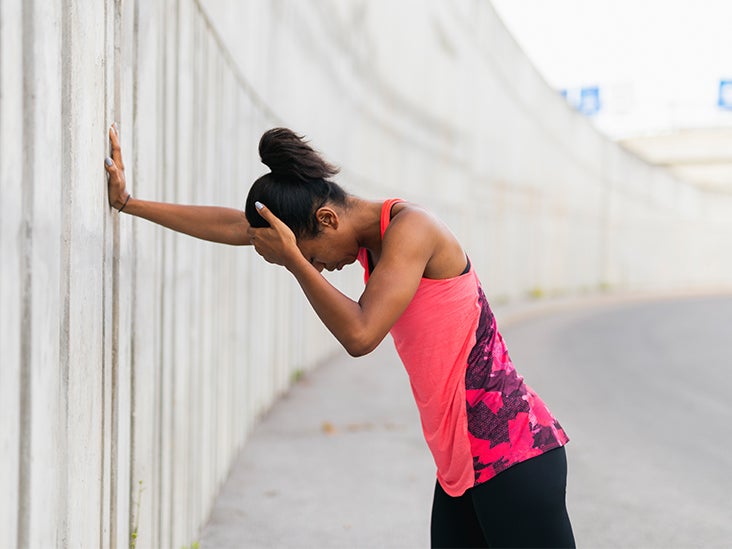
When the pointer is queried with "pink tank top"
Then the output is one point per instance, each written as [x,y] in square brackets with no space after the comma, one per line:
[478,416]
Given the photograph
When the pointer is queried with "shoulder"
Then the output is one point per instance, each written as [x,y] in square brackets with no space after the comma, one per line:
[406,216]
[411,226]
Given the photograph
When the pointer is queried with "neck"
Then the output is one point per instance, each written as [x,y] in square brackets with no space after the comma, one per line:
[366,215]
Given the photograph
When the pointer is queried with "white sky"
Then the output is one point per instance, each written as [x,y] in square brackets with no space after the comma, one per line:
[658,63]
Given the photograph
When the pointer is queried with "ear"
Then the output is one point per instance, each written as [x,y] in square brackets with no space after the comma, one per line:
[327,217]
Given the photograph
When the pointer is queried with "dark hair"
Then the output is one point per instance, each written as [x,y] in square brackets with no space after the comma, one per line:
[297,185]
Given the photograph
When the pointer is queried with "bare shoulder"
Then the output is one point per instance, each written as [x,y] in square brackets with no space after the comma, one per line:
[415,229]
[413,232]
[407,216]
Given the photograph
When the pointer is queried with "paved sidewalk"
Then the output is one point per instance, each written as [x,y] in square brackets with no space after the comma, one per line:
[339,462]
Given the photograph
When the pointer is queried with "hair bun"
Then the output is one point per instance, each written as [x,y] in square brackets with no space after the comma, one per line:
[287,154]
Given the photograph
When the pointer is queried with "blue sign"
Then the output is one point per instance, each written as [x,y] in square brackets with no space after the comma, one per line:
[725,94]
[590,100]
[586,100]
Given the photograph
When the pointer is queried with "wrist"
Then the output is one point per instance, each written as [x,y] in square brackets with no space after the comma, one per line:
[297,263]
[122,202]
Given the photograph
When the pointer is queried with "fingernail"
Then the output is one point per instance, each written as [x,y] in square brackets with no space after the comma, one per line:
[108,161]
[115,127]
[258,205]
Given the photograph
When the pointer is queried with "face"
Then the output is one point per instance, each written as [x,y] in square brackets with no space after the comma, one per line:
[333,248]
[328,251]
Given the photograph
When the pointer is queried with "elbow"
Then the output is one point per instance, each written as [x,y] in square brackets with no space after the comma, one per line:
[356,352]
[358,347]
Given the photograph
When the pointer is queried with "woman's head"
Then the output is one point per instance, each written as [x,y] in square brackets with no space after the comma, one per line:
[297,185]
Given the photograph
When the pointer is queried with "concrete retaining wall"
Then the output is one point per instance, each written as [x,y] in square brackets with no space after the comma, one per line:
[135,360]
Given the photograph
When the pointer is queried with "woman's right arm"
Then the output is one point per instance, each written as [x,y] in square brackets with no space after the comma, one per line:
[213,223]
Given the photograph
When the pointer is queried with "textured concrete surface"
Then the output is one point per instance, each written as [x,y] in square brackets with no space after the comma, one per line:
[640,384]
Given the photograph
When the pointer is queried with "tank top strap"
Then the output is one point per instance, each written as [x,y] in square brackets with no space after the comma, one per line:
[386,213]
[363,255]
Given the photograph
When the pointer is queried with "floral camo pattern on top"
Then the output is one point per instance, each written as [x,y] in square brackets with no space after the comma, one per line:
[507,422]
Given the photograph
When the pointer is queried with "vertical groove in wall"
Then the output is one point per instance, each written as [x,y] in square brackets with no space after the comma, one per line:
[26,394]
[104,288]
[221,422]
[114,405]
[65,267]
[173,371]
[195,346]
[204,175]
[159,377]
[133,275]
[26,285]
[195,492]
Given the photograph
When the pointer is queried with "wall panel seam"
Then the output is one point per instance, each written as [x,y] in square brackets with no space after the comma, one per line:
[28,171]
[65,267]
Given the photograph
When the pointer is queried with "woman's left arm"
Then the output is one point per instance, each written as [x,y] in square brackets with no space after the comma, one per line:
[358,325]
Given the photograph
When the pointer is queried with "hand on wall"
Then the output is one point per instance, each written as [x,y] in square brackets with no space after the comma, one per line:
[116,185]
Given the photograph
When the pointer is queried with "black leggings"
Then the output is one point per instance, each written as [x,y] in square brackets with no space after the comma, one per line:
[524,506]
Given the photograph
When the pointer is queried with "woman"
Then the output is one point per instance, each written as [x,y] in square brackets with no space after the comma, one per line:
[501,466]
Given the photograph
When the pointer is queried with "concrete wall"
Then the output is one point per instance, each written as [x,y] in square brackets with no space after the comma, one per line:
[134,355]
[135,360]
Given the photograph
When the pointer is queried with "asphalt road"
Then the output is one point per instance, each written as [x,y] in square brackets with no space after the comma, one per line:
[645,392]
[641,386]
